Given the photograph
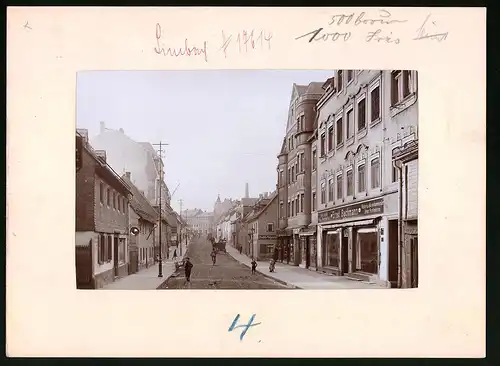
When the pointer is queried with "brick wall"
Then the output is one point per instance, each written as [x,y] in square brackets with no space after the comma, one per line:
[107,218]
[85,194]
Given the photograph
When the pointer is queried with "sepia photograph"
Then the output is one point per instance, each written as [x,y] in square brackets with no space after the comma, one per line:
[246,179]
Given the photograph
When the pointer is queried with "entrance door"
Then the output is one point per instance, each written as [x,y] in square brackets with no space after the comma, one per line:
[115,255]
[308,252]
[393,241]
[344,254]
[414,260]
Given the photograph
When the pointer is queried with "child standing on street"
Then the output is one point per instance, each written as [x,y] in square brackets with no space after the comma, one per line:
[214,257]
[254,266]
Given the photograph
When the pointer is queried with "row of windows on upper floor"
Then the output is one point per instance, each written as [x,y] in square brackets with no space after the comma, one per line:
[329,140]
[402,86]
[112,199]
[296,204]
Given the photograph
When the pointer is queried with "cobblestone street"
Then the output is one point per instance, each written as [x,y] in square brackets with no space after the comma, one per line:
[226,274]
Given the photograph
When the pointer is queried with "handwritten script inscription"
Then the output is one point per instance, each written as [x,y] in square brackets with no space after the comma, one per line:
[422,32]
[244,326]
[186,50]
[374,27]
[246,41]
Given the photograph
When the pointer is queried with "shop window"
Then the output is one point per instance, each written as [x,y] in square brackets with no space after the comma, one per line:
[332,250]
[367,251]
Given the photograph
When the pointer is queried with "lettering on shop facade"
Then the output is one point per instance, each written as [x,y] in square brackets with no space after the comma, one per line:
[267,237]
[359,209]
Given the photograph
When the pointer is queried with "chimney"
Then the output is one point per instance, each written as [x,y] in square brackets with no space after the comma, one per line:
[127,174]
[84,133]
[246,190]
[103,127]
[101,154]
[121,130]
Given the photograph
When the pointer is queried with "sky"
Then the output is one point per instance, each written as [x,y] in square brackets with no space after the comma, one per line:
[223,128]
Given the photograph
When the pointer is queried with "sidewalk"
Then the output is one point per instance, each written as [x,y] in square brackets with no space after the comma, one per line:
[300,277]
[146,278]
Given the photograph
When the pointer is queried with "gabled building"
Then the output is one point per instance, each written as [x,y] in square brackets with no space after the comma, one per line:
[261,225]
[102,218]
[144,217]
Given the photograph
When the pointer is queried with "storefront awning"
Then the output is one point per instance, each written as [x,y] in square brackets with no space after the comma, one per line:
[349,224]
[308,231]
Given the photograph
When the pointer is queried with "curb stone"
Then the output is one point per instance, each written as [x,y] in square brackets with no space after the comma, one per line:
[267,276]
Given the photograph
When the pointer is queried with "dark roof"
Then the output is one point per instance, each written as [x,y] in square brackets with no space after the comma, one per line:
[315,88]
[140,204]
[259,210]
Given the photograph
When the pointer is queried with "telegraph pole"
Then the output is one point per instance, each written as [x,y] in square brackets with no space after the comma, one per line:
[179,238]
[160,153]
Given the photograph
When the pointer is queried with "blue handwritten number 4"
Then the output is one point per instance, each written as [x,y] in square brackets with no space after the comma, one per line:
[244,326]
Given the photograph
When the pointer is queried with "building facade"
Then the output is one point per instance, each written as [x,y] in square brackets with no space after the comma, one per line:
[143,217]
[294,178]
[261,228]
[102,218]
[363,117]
[200,221]
[139,158]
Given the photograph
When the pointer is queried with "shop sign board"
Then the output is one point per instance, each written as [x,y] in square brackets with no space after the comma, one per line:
[352,211]
[267,237]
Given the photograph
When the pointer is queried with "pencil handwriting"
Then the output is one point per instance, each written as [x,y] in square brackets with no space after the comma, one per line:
[26,26]
[246,41]
[384,18]
[186,50]
[422,31]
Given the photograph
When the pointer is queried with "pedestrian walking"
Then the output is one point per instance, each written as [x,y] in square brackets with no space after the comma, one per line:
[214,257]
[240,248]
[175,255]
[254,266]
[188,266]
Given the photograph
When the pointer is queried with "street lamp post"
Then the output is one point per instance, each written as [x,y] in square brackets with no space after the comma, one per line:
[252,232]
